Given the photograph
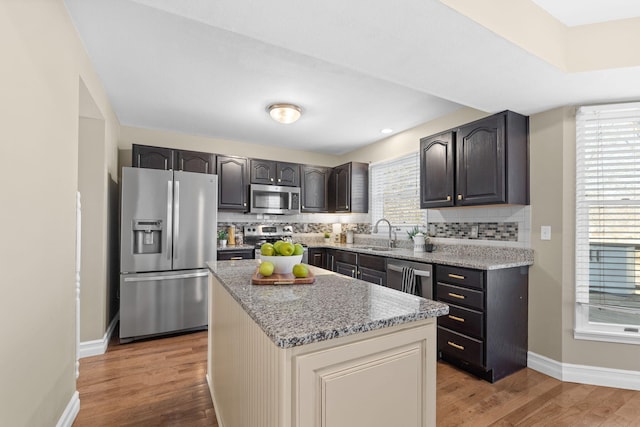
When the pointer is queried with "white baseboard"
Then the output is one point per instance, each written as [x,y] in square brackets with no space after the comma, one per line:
[70,412]
[97,347]
[584,374]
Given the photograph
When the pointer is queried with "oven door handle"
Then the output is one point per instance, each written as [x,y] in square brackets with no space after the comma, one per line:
[423,273]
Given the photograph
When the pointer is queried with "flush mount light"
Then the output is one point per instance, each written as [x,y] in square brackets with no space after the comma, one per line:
[386,130]
[284,113]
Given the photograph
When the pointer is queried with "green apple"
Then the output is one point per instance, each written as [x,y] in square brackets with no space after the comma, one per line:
[286,249]
[266,268]
[276,247]
[298,249]
[300,270]
[267,249]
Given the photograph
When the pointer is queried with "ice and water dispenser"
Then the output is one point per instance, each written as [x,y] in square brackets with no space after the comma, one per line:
[147,236]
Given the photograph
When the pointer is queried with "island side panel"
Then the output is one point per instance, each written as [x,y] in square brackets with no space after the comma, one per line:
[385,380]
[245,368]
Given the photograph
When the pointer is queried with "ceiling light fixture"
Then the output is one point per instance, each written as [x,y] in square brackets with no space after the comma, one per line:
[386,130]
[284,113]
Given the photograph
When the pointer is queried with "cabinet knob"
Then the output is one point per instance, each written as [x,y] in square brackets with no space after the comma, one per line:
[303,207]
[448,198]
[279,180]
[244,204]
[271,179]
[459,196]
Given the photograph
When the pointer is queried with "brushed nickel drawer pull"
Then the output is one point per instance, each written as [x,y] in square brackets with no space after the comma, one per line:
[451,294]
[454,345]
[459,319]
[456,276]
[233,258]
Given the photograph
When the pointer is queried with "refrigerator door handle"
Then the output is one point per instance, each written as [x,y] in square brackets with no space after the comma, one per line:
[176,226]
[169,218]
[172,277]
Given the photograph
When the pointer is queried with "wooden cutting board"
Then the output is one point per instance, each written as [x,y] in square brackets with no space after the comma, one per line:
[281,279]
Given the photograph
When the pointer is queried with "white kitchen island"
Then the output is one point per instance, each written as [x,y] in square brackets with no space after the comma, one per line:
[339,352]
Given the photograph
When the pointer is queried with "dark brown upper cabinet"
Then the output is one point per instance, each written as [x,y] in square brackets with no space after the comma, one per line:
[314,186]
[144,156]
[270,172]
[233,183]
[491,163]
[349,188]
[437,171]
[194,161]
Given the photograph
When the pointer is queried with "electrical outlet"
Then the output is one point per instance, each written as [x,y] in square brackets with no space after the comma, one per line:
[474,232]
[545,232]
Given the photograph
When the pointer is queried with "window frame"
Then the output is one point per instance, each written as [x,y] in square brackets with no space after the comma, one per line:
[376,213]
[584,329]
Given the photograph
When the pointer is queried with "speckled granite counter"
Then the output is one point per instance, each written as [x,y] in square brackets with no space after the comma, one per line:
[480,257]
[332,307]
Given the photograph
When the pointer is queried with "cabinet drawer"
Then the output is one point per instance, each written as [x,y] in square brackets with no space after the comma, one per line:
[460,296]
[461,346]
[372,262]
[348,257]
[464,320]
[460,276]
[232,255]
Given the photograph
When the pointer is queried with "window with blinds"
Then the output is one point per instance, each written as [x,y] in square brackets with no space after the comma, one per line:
[608,222]
[395,191]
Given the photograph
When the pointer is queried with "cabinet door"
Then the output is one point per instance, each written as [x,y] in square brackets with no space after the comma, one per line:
[372,276]
[194,161]
[341,187]
[144,156]
[263,172]
[288,174]
[232,183]
[317,258]
[480,162]
[437,171]
[346,269]
[314,188]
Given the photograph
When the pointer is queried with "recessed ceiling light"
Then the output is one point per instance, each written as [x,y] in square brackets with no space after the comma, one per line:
[284,113]
[386,130]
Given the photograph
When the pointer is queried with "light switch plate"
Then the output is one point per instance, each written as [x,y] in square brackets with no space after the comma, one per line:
[474,232]
[545,232]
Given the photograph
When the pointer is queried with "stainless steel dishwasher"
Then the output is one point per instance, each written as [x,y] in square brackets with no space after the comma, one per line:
[423,276]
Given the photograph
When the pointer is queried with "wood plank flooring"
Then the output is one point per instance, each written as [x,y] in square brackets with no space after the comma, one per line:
[162,383]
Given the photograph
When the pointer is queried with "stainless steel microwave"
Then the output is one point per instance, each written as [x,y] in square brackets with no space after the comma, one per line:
[274,199]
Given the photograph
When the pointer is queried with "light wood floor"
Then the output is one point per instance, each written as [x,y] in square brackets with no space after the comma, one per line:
[162,383]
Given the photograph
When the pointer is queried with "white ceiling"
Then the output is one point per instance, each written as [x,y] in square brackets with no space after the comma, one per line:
[211,67]
[582,12]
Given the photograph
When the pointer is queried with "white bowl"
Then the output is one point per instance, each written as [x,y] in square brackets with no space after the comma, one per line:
[282,264]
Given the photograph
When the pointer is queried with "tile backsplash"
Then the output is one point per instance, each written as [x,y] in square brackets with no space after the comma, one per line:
[508,226]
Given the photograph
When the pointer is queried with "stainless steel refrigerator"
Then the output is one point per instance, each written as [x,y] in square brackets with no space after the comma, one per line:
[168,233]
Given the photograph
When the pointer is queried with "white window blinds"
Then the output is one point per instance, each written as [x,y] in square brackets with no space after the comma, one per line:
[608,216]
[395,191]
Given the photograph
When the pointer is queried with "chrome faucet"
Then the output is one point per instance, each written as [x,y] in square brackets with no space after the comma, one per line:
[375,230]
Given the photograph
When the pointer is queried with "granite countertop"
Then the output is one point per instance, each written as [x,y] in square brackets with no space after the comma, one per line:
[332,307]
[235,247]
[480,257]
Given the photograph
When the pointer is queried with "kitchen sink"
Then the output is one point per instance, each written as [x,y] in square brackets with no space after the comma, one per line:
[376,248]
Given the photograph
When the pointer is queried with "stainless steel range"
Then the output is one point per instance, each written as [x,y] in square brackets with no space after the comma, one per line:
[258,234]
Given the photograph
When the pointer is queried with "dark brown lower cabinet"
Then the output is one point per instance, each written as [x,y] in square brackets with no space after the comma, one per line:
[317,257]
[486,330]
[233,254]
[373,269]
